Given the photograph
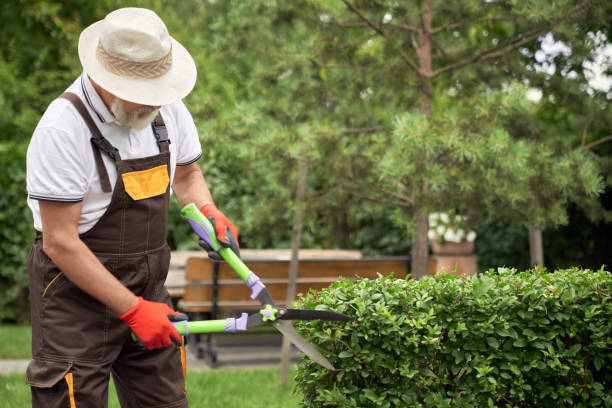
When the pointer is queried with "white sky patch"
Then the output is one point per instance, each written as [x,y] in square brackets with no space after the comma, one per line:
[388,17]
[549,49]
[595,69]
[365,93]
[554,48]
[534,94]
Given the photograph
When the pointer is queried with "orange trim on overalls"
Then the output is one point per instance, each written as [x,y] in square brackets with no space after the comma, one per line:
[70,381]
[50,283]
[184,361]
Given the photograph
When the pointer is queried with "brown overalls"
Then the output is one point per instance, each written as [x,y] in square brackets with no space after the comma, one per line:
[78,341]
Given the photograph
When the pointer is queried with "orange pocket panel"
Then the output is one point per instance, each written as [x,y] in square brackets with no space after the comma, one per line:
[146,183]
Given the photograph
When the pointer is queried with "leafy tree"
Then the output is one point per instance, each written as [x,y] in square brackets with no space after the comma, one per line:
[348,83]
[408,104]
[37,60]
[570,114]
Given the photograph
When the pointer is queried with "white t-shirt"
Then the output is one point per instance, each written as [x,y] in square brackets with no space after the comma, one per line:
[60,161]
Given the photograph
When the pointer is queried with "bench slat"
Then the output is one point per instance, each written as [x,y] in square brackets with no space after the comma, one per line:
[316,274]
[267,281]
[239,292]
[202,268]
[203,306]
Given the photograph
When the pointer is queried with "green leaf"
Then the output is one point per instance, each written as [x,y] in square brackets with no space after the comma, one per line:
[493,342]
[574,349]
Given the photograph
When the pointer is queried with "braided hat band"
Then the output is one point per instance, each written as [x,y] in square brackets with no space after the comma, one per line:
[134,69]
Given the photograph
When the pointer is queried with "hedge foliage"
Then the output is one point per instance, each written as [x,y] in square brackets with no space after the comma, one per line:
[508,339]
[16,233]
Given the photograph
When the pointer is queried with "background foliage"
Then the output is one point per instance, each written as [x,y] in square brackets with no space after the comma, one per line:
[16,234]
[37,62]
[501,339]
[278,81]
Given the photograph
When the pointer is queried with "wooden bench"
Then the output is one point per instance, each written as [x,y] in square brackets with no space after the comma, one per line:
[211,285]
[215,289]
[175,282]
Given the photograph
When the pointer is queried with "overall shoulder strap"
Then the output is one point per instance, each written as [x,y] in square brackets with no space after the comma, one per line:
[160,132]
[99,142]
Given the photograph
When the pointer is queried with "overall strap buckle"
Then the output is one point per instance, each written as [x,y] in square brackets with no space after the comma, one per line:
[104,146]
[159,130]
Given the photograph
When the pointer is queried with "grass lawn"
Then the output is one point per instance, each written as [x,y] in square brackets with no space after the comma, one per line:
[219,388]
[15,342]
[223,387]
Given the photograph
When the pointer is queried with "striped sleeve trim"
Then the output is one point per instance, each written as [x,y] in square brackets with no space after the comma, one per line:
[191,161]
[55,199]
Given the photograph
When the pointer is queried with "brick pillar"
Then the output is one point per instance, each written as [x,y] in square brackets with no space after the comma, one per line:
[453,258]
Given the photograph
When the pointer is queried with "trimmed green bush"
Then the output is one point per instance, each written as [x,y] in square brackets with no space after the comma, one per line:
[508,339]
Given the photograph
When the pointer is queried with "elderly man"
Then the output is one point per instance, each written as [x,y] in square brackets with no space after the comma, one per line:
[99,169]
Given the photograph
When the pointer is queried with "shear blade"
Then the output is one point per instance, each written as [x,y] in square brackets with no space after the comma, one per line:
[294,337]
[301,343]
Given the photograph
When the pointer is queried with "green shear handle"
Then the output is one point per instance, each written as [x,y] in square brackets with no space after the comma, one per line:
[206,231]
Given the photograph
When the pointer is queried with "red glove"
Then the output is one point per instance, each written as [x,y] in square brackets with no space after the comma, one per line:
[150,323]
[227,234]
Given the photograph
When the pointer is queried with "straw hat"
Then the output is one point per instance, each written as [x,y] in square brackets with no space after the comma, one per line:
[131,55]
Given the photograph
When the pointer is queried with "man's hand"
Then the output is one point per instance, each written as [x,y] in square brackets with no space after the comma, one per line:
[190,187]
[227,234]
[150,323]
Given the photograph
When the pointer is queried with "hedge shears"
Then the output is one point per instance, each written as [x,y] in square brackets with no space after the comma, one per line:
[269,314]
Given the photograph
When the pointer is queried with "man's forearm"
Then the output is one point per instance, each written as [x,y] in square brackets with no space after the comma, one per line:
[82,267]
[190,186]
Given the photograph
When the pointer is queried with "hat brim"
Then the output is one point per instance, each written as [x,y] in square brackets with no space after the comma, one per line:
[163,90]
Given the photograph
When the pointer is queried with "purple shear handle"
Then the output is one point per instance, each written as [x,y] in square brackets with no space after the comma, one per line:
[256,286]
[252,280]
[201,232]
[232,324]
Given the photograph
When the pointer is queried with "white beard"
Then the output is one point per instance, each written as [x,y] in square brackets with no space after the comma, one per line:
[139,118]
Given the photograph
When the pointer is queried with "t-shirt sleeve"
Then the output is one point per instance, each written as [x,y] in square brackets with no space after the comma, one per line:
[56,167]
[189,149]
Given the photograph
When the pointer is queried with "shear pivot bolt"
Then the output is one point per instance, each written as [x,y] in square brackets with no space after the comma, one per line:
[268,313]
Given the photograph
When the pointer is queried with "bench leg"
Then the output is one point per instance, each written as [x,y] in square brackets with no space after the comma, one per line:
[197,339]
[212,353]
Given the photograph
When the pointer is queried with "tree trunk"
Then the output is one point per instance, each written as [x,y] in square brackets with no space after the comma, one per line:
[296,238]
[536,249]
[420,252]
[339,234]
[419,256]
